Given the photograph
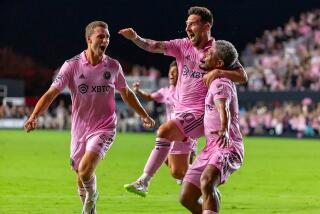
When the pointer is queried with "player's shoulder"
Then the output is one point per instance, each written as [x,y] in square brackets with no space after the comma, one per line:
[74,59]
[111,62]
[220,83]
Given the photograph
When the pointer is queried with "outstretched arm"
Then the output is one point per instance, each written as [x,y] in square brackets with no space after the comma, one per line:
[146,44]
[145,96]
[41,106]
[237,75]
[130,99]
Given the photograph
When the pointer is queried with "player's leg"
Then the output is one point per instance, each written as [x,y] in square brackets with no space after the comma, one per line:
[86,173]
[189,197]
[178,164]
[165,134]
[186,124]
[81,190]
[210,179]
[97,146]
[179,157]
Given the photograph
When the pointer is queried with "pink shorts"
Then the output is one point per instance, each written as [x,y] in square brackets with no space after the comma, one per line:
[179,148]
[99,143]
[190,124]
[226,160]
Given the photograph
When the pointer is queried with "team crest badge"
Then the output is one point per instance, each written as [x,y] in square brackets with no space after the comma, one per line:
[107,75]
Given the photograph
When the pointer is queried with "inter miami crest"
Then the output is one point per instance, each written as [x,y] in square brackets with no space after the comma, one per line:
[107,75]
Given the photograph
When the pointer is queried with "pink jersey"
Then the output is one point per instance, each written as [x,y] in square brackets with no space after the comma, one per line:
[92,93]
[190,89]
[223,88]
[165,95]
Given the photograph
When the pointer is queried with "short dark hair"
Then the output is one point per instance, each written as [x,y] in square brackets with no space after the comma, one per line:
[173,63]
[227,52]
[92,25]
[203,12]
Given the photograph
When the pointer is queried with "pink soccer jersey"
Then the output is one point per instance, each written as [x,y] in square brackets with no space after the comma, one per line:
[92,93]
[190,89]
[223,88]
[166,95]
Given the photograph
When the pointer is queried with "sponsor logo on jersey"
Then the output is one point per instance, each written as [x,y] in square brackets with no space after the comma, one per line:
[83,88]
[192,73]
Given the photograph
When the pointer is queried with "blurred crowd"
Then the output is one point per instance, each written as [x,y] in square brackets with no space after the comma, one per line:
[58,117]
[288,118]
[273,119]
[286,58]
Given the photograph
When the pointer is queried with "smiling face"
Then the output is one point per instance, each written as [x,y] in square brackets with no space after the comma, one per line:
[99,40]
[173,75]
[211,60]
[196,29]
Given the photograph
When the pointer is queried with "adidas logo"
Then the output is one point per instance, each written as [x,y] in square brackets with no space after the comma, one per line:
[82,76]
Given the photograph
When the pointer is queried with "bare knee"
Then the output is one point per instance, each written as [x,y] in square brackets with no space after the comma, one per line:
[178,173]
[85,172]
[207,185]
[185,199]
[164,131]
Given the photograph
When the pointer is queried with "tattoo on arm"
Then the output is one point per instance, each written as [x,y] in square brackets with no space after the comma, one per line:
[150,45]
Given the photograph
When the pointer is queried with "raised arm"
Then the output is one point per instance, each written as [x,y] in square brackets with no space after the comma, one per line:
[146,44]
[41,106]
[144,95]
[237,75]
[130,99]
[222,106]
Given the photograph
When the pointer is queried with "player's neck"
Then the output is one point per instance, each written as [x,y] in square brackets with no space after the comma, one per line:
[203,42]
[92,58]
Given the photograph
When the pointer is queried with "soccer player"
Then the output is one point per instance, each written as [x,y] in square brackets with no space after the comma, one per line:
[180,152]
[92,78]
[190,90]
[224,151]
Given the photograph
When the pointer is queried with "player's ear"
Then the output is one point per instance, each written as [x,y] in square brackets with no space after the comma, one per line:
[220,63]
[88,39]
[207,26]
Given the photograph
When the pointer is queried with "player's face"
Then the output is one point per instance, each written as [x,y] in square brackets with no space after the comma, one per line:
[99,40]
[195,29]
[211,60]
[173,75]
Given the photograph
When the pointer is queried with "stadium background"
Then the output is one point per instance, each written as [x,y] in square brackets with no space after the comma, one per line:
[279,175]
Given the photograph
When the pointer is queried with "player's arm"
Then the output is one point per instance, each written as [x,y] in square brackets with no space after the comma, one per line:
[130,99]
[237,75]
[41,106]
[146,44]
[144,95]
[222,106]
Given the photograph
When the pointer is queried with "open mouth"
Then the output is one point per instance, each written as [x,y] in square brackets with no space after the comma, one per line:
[191,36]
[102,47]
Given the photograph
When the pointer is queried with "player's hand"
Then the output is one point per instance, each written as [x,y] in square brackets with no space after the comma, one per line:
[128,33]
[210,76]
[30,124]
[148,122]
[136,86]
[223,139]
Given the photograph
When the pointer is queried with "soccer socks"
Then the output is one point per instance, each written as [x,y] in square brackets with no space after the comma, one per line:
[82,194]
[90,186]
[208,212]
[157,156]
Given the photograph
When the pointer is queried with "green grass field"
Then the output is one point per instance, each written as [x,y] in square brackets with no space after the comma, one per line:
[278,176]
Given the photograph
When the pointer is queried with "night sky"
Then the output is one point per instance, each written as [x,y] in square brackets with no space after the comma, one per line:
[53,31]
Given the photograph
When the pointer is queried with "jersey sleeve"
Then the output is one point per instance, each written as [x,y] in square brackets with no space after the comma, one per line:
[159,96]
[173,48]
[120,81]
[221,90]
[63,77]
